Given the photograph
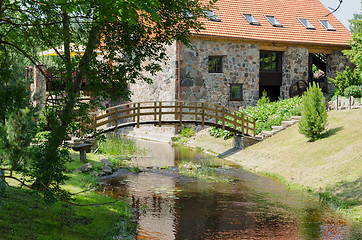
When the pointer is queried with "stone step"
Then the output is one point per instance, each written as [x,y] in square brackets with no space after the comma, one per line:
[289,123]
[295,118]
[268,133]
[278,128]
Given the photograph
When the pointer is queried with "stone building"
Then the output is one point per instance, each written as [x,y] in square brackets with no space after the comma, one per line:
[251,46]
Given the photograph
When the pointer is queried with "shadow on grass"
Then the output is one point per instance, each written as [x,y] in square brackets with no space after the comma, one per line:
[349,192]
[331,132]
[228,153]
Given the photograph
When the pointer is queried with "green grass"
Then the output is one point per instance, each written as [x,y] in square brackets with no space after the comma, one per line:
[117,145]
[24,215]
[202,172]
[329,166]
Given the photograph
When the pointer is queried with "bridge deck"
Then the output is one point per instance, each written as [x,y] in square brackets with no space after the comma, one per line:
[173,113]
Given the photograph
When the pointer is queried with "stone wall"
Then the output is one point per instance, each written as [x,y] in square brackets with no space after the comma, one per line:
[240,65]
[336,62]
[163,88]
[294,68]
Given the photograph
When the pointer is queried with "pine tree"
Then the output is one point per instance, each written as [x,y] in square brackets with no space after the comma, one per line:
[314,113]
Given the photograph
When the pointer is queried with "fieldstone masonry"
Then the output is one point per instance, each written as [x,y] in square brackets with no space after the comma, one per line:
[163,88]
[294,68]
[240,65]
[336,62]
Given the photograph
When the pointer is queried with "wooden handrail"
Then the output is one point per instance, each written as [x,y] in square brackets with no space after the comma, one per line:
[175,112]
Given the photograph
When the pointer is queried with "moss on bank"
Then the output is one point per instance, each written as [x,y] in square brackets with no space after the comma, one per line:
[330,166]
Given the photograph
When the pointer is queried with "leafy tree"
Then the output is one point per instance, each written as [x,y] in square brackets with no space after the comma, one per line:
[314,113]
[121,40]
[346,79]
[355,53]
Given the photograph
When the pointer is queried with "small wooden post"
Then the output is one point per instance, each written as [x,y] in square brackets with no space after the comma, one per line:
[337,102]
[181,103]
[196,111]
[203,114]
[155,111]
[223,118]
[116,119]
[134,112]
[138,114]
[254,128]
[216,113]
[176,110]
[235,115]
[350,102]
[247,125]
[242,123]
[94,122]
[160,115]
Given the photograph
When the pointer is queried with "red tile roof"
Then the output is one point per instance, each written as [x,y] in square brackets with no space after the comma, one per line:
[287,12]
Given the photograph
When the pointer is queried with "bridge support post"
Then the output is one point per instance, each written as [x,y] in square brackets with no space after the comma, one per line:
[238,141]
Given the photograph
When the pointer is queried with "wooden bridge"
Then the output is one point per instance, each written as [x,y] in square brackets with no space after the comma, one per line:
[173,113]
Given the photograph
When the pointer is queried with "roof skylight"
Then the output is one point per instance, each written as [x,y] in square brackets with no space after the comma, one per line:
[306,23]
[251,19]
[273,21]
[327,25]
[212,16]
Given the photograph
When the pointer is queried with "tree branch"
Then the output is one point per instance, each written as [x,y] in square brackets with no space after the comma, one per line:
[335,10]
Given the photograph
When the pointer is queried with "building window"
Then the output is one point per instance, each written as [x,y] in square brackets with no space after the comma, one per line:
[251,19]
[215,64]
[236,92]
[306,23]
[269,61]
[273,21]
[327,25]
[211,15]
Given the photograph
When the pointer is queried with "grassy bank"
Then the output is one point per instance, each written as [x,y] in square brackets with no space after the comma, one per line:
[331,166]
[24,215]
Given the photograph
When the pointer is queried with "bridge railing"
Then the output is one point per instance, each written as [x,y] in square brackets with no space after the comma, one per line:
[174,112]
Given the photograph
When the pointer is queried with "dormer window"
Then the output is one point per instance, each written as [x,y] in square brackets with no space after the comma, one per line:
[327,25]
[306,23]
[212,16]
[187,14]
[251,19]
[273,21]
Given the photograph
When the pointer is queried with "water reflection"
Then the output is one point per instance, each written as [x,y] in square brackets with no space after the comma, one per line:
[171,206]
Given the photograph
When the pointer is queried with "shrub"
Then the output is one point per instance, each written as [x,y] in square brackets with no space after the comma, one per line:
[266,114]
[353,91]
[314,113]
[345,80]
[187,132]
[264,99]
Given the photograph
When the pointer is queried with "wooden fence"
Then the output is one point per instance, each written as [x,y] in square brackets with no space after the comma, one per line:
[175,113]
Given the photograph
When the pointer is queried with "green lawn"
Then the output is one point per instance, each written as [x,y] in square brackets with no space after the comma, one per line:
[332,165]
[24,215]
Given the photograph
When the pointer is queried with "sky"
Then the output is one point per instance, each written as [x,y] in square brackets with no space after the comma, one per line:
[346,11]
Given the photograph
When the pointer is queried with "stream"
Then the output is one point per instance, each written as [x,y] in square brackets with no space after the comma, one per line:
[171,206]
